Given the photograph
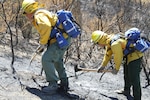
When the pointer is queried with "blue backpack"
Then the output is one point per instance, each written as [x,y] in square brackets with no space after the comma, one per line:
[133,37]
[70,26]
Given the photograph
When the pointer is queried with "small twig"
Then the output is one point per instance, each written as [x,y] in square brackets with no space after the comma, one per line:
[34,80]
[41,71]
[18,79]
[2,87]
[146,73]
[12,47]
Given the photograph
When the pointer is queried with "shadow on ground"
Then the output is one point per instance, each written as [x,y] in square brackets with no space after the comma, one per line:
[111,98]
[55,96]
[129,97]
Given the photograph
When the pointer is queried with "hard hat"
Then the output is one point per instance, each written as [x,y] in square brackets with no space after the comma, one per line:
[29,6]
[96,36]
[26,3]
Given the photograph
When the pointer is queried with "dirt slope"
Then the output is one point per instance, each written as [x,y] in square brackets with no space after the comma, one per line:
[25,85]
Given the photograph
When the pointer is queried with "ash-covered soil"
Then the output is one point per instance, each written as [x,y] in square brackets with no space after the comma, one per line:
[26,83]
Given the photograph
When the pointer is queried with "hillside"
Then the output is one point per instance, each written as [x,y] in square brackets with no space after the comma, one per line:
[26,83]
[110,16]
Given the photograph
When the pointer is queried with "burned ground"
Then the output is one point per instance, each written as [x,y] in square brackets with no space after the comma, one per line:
[27,81]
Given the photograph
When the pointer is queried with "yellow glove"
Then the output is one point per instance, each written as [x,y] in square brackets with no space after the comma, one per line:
[114,71]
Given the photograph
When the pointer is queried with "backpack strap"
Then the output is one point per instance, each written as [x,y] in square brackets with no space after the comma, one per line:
[128,49]
[57,26]
[56,29]
[115,38]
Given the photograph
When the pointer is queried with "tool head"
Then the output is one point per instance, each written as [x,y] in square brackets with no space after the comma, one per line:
[76,69]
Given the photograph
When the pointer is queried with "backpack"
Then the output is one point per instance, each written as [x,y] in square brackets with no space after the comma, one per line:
[70,26]
[133,37]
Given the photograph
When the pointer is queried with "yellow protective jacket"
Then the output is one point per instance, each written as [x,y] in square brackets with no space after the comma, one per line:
[43,21]
[116,49]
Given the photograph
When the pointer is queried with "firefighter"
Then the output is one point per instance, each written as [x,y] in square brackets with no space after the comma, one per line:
[52,59]
[116,46]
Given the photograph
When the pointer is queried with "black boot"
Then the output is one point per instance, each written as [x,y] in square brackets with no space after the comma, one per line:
[124,92]
[64,85]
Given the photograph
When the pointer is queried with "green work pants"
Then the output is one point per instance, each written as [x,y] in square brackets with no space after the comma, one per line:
[132,78]
[52,62]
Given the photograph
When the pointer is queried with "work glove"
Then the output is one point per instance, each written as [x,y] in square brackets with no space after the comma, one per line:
[100,69]
[40,48]
[114,71]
